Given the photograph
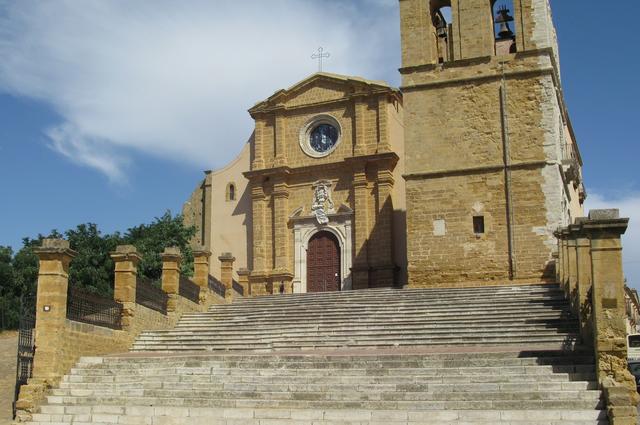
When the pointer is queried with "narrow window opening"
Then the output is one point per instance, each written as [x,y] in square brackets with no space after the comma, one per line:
[478,225]
[231,192]
[504,27]
[441,17]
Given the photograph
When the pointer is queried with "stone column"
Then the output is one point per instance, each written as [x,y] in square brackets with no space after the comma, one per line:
[281,228]
[126,259]
[243,280]
[361,207]
[604,229]
[51,308]
[583,271]
[171,258]
[226,272]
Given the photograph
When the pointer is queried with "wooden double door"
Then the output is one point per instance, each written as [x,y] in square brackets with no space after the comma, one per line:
[323,263]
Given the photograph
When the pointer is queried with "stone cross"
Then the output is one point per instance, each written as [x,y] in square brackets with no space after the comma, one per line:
[320,56]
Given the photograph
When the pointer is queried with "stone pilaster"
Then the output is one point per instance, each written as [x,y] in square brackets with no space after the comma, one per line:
[381,251]
[258,160]
[281,228]
[281,132]
[361,208]
[51,307]
[383,125]
[226,272]
[604,229]
[171,259]
[360,126]
[126,259]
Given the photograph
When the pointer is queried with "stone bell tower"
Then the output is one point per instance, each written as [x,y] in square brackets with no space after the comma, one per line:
[492,167]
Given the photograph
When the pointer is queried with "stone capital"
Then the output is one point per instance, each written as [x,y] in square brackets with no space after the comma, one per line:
[171,253]
[126,253]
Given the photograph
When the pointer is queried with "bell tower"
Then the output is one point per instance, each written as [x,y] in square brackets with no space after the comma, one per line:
[491,167]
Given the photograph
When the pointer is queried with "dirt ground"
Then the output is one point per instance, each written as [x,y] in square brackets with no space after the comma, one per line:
[8,342]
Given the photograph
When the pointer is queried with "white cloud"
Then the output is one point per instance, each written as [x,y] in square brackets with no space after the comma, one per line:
[629,206]
[174,79]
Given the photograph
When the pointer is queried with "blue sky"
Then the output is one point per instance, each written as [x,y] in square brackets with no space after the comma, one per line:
[110,112]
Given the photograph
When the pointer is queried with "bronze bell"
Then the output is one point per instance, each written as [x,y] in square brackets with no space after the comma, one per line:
[441,25]
[503,18]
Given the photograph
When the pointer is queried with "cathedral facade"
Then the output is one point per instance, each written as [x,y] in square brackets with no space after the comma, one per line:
[459,177]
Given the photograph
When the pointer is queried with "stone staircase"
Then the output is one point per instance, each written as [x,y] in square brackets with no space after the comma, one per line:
[499,355]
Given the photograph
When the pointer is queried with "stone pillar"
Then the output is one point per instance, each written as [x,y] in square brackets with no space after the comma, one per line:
[604,229]
[560,260]
[281,130]
[281,228]
[226,272]
[583,266]
[126,259]
[361,207]
[171,258]
[572,268]
[243,280]
[51,307]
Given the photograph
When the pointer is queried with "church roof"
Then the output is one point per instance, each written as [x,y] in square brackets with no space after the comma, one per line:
[350,84]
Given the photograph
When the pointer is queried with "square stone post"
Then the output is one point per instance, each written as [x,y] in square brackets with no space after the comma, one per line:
[560,260]
[572,267]
[171,258]
[583,271]
[604,229]
[51,307]
[226,272]
[565,262]
[201,259]
[126,259]
[243,280]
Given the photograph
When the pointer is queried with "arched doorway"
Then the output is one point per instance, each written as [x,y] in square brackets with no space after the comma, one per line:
[323,263]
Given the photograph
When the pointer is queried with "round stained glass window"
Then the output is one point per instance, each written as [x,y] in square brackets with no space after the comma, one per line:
[323,138]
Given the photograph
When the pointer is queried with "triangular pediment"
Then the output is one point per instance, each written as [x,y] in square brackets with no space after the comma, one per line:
[321,87]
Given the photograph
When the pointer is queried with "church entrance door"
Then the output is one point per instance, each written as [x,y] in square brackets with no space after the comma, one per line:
[323,263]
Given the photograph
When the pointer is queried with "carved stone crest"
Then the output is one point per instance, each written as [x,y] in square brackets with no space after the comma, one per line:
[322,202]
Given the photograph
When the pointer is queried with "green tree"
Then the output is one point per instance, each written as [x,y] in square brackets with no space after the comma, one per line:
[8,293]
[152,239]
[92,268]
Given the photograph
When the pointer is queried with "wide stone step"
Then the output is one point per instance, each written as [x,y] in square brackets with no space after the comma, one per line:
[483,401]
[203,416]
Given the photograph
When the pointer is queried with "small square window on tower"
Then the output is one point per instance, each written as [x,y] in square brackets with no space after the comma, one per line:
[478,225]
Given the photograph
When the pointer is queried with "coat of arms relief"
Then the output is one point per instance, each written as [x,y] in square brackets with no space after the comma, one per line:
[322,202]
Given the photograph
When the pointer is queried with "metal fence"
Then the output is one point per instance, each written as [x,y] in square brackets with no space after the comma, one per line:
[237,287]
[85,307]
[151,295]
[189,290]
[216,286]
[26,347]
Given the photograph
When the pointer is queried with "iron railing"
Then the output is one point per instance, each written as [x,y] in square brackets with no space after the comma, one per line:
[216,286]
[150,295]
[26,347]
[85,307]
[237,287]
[189,289]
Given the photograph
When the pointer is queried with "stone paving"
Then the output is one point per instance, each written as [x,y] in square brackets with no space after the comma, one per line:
[8,343]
